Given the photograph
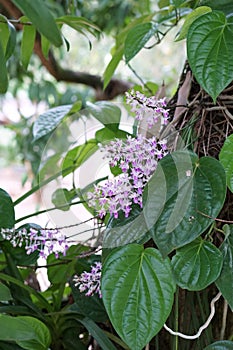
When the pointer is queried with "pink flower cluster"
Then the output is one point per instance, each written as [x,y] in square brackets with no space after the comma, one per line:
[148,108]
[89,282]
[45,241]
[137,158]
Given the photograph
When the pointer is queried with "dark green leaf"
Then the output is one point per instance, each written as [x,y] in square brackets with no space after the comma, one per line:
[49,120]
[27,45]
[77,156]
[225,6]
[11,43]
[137,287]
[182,198]
[3,72]
[106,113]
[225,280]
[210,51]
[91,306]
[197,265]
[27,332]
[5,293]
[62,198]
[220,345]
[199,11]
[98,334]
[226,159]
[123,230]
[4,32]
[7,213]
[38,12]
[137,39]
[45,45]
[106,134]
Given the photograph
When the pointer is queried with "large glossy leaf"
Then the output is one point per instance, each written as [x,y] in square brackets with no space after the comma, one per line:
[137,39]
[182,198]
[225,280]
[199,11]
[226,159]
[27,45]
[38,12]
[7,213]
[197,264]
[210,51]
[49,120]
[106,113]
[26,331]
[77,156]
[137,287]
[220,345]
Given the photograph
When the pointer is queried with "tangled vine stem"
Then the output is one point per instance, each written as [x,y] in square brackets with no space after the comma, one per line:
[204,326]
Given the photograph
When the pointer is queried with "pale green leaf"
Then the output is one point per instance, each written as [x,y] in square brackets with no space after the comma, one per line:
[77,156]
[210,51]
[199,11]
[226,159]
[111,67]
[138,288]
[197,265]
[49,120]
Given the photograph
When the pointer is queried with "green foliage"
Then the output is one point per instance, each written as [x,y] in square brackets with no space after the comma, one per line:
[27,332]
[171,242]
[138,290]
[209,51]
[41,17]
[137,38]
[176,203]
[225,280]
[197,265]
[226,159]
[7,213]
[220,345]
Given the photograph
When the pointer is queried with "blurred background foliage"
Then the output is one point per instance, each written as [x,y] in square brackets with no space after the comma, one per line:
[33,90]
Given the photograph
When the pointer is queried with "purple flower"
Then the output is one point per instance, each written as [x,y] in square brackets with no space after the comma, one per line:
[89,282]
[137,158]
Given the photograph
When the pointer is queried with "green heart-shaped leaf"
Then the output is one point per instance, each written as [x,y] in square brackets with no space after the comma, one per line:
[197,265]
[138,289]
[210,51]
[182,198]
